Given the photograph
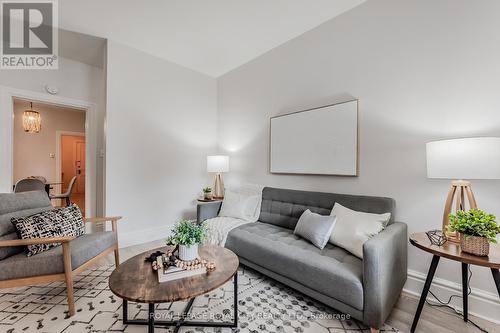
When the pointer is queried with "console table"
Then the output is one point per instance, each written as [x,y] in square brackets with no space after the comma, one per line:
[450,250]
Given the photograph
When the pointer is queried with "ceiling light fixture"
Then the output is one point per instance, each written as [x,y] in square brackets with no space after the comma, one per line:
[32,122]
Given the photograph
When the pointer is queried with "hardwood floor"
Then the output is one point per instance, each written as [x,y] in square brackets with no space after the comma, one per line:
[433,319]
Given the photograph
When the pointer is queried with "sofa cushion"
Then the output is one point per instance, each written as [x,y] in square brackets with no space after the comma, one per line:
[19,205]
[284,207]
[67,221]
[315,228]
[331,271]
[354,228]
[83,249]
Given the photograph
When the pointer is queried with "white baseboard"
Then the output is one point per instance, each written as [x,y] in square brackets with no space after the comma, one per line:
[137,237]
[482,304]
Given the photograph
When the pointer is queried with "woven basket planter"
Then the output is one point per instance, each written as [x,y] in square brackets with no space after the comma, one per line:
[479,246]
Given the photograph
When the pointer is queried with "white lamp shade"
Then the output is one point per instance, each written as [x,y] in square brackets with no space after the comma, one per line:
[468,158]
[218,163]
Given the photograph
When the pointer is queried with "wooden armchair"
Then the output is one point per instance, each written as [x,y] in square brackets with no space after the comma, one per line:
[56,264]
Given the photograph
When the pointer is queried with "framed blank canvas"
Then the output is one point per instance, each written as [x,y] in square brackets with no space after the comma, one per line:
[321,141]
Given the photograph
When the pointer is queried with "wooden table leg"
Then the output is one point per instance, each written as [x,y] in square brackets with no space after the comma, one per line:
[425,291]
[151,318]
[465,290]
[496,277]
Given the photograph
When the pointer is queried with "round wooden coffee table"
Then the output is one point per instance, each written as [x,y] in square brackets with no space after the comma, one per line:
[135,281]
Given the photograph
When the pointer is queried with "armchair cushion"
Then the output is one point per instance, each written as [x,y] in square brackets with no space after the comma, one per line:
[19,205]
[66,221]
[83,249]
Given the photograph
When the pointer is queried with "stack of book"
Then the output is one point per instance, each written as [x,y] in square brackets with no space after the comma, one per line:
[171,273]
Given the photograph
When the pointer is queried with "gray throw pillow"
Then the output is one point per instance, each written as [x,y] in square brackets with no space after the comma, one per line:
[315,228]
[67,221]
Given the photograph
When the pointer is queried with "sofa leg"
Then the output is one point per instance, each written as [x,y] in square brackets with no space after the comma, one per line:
[68,272]
[117,257]
[374,330]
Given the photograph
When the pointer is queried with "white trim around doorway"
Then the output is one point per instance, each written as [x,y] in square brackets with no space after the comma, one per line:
[7,94]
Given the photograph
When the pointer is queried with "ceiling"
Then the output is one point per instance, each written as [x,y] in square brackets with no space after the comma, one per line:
[82,48]
[212,37]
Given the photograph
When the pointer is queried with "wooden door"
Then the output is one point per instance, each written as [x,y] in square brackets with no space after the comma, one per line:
[80,165]
[73,162]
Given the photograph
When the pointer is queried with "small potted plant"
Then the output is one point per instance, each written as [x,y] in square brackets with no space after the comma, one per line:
[187,235]
[477,230]
[207,193]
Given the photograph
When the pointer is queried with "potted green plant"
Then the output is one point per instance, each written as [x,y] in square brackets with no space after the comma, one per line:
[477,230]
[207,193]
[187,235]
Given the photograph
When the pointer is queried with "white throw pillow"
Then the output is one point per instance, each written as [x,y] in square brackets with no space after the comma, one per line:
[239,205]
[354,228]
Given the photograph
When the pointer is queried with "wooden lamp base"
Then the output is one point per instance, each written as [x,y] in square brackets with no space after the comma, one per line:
[459,190]
[219,187]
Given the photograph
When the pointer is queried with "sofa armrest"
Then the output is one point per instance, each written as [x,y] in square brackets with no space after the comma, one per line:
[101,219]
[44,240]
[385,260]
[207,210]
[112,219]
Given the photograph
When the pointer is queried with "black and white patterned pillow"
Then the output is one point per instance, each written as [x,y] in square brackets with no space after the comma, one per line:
[67,221]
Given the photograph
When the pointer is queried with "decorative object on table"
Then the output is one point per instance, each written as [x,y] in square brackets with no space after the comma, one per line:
[477,229]
[171,268]
[195,264]
[187,235]
[468,158]
[436,237]
[152,258]
[207,193]
[218,164]
[32,121]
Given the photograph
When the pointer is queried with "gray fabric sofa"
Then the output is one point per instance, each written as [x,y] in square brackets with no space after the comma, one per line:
[60,263]
[366,289]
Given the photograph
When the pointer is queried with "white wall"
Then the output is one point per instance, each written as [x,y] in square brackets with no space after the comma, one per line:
[32,150]
[422,70]
[76,81]
[161,122]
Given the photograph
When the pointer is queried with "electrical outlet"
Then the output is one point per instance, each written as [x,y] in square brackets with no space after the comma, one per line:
[52,155]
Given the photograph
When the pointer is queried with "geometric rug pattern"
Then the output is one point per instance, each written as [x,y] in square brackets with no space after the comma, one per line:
[264,305]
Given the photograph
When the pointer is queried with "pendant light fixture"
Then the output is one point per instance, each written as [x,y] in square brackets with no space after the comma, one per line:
[32,122]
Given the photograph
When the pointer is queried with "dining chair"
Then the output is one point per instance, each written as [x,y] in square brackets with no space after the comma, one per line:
[40,178]
[66,194]
[29,184]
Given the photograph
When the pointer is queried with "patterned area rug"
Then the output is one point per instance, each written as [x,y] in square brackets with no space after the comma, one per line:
[264,306]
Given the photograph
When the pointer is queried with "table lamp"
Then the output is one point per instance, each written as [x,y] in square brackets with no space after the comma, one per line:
[218,164]
[461,159]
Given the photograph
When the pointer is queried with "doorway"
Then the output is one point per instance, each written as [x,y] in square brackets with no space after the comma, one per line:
[38,150]
[73,165]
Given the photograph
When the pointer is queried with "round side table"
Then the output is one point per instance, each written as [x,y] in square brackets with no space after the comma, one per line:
[450,250]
